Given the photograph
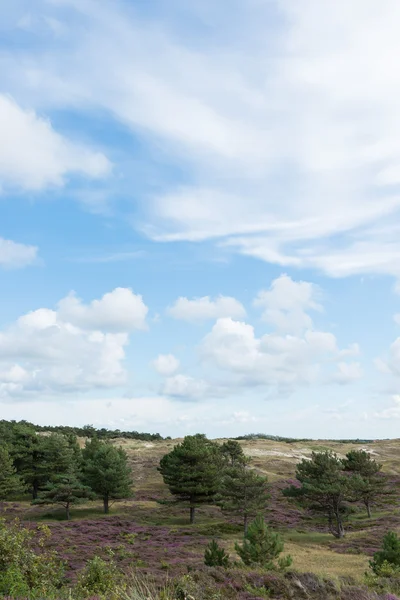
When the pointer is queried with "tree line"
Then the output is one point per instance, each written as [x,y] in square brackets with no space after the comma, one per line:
[199,471]
[53,469]
[87,431]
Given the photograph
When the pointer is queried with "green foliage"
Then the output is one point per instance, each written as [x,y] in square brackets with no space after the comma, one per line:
[233,453]
[261,547]
[214,556]
[242,492]
[66,490]
[324,487]
[192,471]
[389,554]
[99,577]
[26,568]
[10,482]
[26,451]
[370,483]
[107,473]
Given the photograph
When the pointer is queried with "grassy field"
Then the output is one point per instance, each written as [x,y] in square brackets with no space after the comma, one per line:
[148,533]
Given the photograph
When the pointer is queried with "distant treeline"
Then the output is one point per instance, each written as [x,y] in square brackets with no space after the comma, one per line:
[288,440]
[87,431]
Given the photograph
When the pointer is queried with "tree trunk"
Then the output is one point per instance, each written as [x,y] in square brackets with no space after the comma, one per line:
[192,509]
[106,504]
[246,525]
[339,525]
[35,489]
[67,512]
[367,506]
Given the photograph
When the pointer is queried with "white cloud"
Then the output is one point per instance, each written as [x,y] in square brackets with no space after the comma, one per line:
[203,309]
[184,387]
[14,255]
[119,310]
[392,412]
[76,348]
[397,318]
[294,353]
[348,372]
[33,155]
[288,133]
[286,304]
[166,364]
[391,365]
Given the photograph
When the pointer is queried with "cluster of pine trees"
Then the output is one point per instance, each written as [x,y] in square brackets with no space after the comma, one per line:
[54,469]
[201,471]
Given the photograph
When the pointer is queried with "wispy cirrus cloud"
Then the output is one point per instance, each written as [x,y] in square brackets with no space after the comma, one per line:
[288,133]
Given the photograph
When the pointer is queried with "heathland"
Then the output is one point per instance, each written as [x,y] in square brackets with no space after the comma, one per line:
[149,536]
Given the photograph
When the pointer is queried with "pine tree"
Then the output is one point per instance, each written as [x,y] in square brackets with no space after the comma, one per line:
[107,473]
[66,490]
[192,471]
[261,546]
[232,451]
[214,556]
[10,482]
[390,552]
[325,487]
[26,451]
[371,483]
[243,492]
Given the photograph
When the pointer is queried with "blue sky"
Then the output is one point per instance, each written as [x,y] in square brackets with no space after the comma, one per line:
[199,215]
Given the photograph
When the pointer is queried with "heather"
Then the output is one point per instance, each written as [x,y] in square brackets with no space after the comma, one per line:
[144,546]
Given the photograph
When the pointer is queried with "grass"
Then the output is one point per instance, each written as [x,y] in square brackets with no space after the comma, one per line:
[307,542]
[320,560]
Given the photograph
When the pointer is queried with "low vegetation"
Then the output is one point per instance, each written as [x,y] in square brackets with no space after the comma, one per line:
[195,519]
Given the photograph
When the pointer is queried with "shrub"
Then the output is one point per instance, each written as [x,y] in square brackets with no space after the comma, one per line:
[26,567]
[261,546]
[214,556]
[390,553]
[98,577]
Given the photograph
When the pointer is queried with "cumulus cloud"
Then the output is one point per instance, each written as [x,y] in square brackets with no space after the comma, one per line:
[59,351]
[166,364]
[392,412]
[348,372]
[185,387]
[286,303]
[119,310]
[14,255]
[391,364]
[33,155]
[203,309]
[292,353]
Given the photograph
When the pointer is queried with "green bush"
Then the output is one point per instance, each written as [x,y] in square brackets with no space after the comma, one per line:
[390,553]
[214,556]
[26,567]
[261,547]
[98,577]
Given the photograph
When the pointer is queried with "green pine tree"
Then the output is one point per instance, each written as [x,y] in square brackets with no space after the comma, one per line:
[324,487]
[10,482]
[192,471]
[107,473]
[66,490]
[214,556]
[261,547]
[232,451]
[370,483]
[390,553]
[26,451]
[243,493]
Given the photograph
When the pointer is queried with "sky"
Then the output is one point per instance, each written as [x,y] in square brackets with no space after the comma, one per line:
[200,216]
